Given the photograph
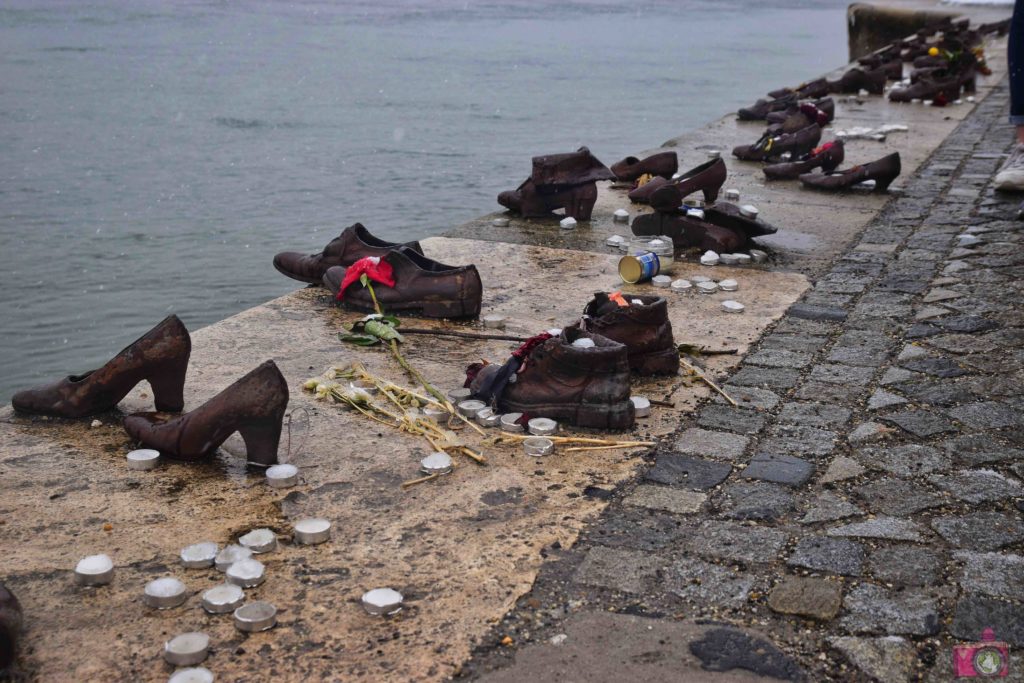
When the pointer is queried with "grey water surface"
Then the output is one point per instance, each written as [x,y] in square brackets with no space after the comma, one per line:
[155,155]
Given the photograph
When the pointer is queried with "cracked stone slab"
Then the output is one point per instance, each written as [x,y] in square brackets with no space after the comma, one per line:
[888,658]
[807,597]
[897,497]
[626,571]
[995,574]
[756,500]
[904,461]
[814,414]
[840,469]
[693,473]
[737,542]
[978,486]
[920,423]
[706,583]
[980,530]
[725,649]
[678,501]
[829,507]
[873,609]
[931,312]
[906,565]
[987,415]
[711,444]
[889,528]
[884,399]
[936,392]
[974,613]
[834,555]
[779,469]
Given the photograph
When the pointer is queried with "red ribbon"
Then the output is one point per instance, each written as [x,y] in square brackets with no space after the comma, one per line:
[374,267]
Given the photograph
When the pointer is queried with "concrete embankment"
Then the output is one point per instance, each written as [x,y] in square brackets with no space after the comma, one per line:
[462,549]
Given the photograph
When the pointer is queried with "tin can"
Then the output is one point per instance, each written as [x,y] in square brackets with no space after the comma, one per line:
[639,267]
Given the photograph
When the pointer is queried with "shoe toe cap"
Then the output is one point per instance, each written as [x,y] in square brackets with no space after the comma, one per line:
[333,277]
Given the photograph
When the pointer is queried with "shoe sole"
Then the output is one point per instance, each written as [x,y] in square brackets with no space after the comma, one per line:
[293,276]
[616,416]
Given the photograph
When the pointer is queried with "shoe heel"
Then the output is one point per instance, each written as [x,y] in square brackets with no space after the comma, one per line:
[581,204]
[616,416]
[664,362]
[971,85]
[262,439]
[168,386]
[710,195]
[830,166]
[882,184]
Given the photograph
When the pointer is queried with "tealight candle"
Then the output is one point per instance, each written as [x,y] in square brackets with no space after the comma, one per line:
[494,321]
[681,285]
[143,459]
[436,463]
[487,418]
[282,476]
[94,570]
[542,426]
[707,287]
[743,259]
[510,423]
[538,446]
[224,598]
[164,593]
[471,408]
[312,531]
[255,616]
[621,216]
[199,555]
[231,554]
[198,674]
[246,573]
[661,280]
[567,223]
[727,259]
[500,222]
[732,195]
[728,285]
[732,307]
[434,412]
[187,649]
[641,406]
[458,395]
[709,258]
[382,601]
[749,211]
[259,541]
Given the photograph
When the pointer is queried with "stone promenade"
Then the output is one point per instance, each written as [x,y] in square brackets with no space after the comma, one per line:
[860,513]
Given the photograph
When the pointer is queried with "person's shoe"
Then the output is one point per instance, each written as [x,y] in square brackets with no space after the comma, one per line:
[828,157]
[687,232]
[586,387]
[728,215]
[882,171]
[159,356]
[643,327]
[354,243]
[857,79]
[421,285]
[773,146]
[798,116]
[707,178]
[10,627]
[762,108]
[574,168]
[941,83]
[662,164]
[531,201]
[253,406]
[1010,177]
[806,91]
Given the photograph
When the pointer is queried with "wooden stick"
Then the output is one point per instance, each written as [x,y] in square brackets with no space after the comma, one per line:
[634,444]
[470,453]
[463,335]
[572,439]
[413,482]
[700,375]
[667,404]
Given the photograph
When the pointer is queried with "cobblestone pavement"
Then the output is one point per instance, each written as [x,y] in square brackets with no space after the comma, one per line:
[862,509]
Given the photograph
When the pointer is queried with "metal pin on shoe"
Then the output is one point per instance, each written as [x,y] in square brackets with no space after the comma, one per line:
[143,459]
[224,598]
[259,541]
[312,531]
[164,593]
[187,649]
[382,601]
[255,617]
[94,570]
[282,476]
[199,555]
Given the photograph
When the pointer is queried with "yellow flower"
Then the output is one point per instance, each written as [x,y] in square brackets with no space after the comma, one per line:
[933,52]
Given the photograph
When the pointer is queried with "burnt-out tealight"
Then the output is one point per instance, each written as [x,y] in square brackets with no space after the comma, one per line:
[231,554]
[620,216]
[94,570]
[382,601]
[488,418]
[312,530]
[143,459]
[259,541]
[224,598]
[197,674]
[510,423]
[471,408]
[256,616]
[542,426]
[494,321]
[732,194]
[199,555]
[187,649]
[436,463]
[246,573]
[538,446]
[282,476]
[164,593]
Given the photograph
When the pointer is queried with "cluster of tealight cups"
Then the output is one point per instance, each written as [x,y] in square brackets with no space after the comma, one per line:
[540,428]
[241,571]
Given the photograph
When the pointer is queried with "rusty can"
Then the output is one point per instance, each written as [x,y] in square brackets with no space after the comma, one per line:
[636,268]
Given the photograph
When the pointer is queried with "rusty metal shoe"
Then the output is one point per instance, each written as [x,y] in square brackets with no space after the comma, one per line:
[421,285]
[643,327]
[857,79]
[806,91]
[662,164]
[883,172]
[940,83]
[707,178]
[762,108]
[10,627]
[253,406]
[773,146]
[828,157]
[159,356]
[352,244]
[687,232]
[586,387]
[800,116]
[531,201]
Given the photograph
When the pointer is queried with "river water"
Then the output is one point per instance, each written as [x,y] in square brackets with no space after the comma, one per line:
[155,155]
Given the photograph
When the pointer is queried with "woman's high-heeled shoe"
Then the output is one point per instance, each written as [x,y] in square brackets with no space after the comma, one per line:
[829,156]
[773,146]
[159,356]
[760,109]
[253,406]
[882,171]
[10,627]
[662,164]
[707,178]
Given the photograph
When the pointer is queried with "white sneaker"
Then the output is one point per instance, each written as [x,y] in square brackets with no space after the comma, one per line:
[1010,177]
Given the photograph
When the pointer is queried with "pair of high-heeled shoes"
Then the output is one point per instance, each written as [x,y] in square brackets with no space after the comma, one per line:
[253,406]
[418,284]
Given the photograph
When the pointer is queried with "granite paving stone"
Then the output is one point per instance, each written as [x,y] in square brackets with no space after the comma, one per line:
[711,444]
[779,358]
[974,613]
[870,356]
[873,609]
[828,507]
[812,312]
[741,420]
[936,367]
[840,469]
[664,498]
[693,473]
[897,497]
[824,391]
[834,555]
[737,542]
[920,423]
[884,399]
[809,442]
[756,500]
[896,375]
[794,342]
[707,583]
[807,597]
[962,343]
[814,414]
[904,461]
[780,469]
[978,486]
[847,375]
[1001,576]
[889,658]
[725,649]
[870,432]
[987,415]
[980,530]
[904,565]
[967,323]
[889,528]
[772,378]
[617,569]
[939,393]
[804,327]
[749,397]
[978,449]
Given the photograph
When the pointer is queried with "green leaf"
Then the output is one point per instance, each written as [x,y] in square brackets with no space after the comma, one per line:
[359,339]
[364,280]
